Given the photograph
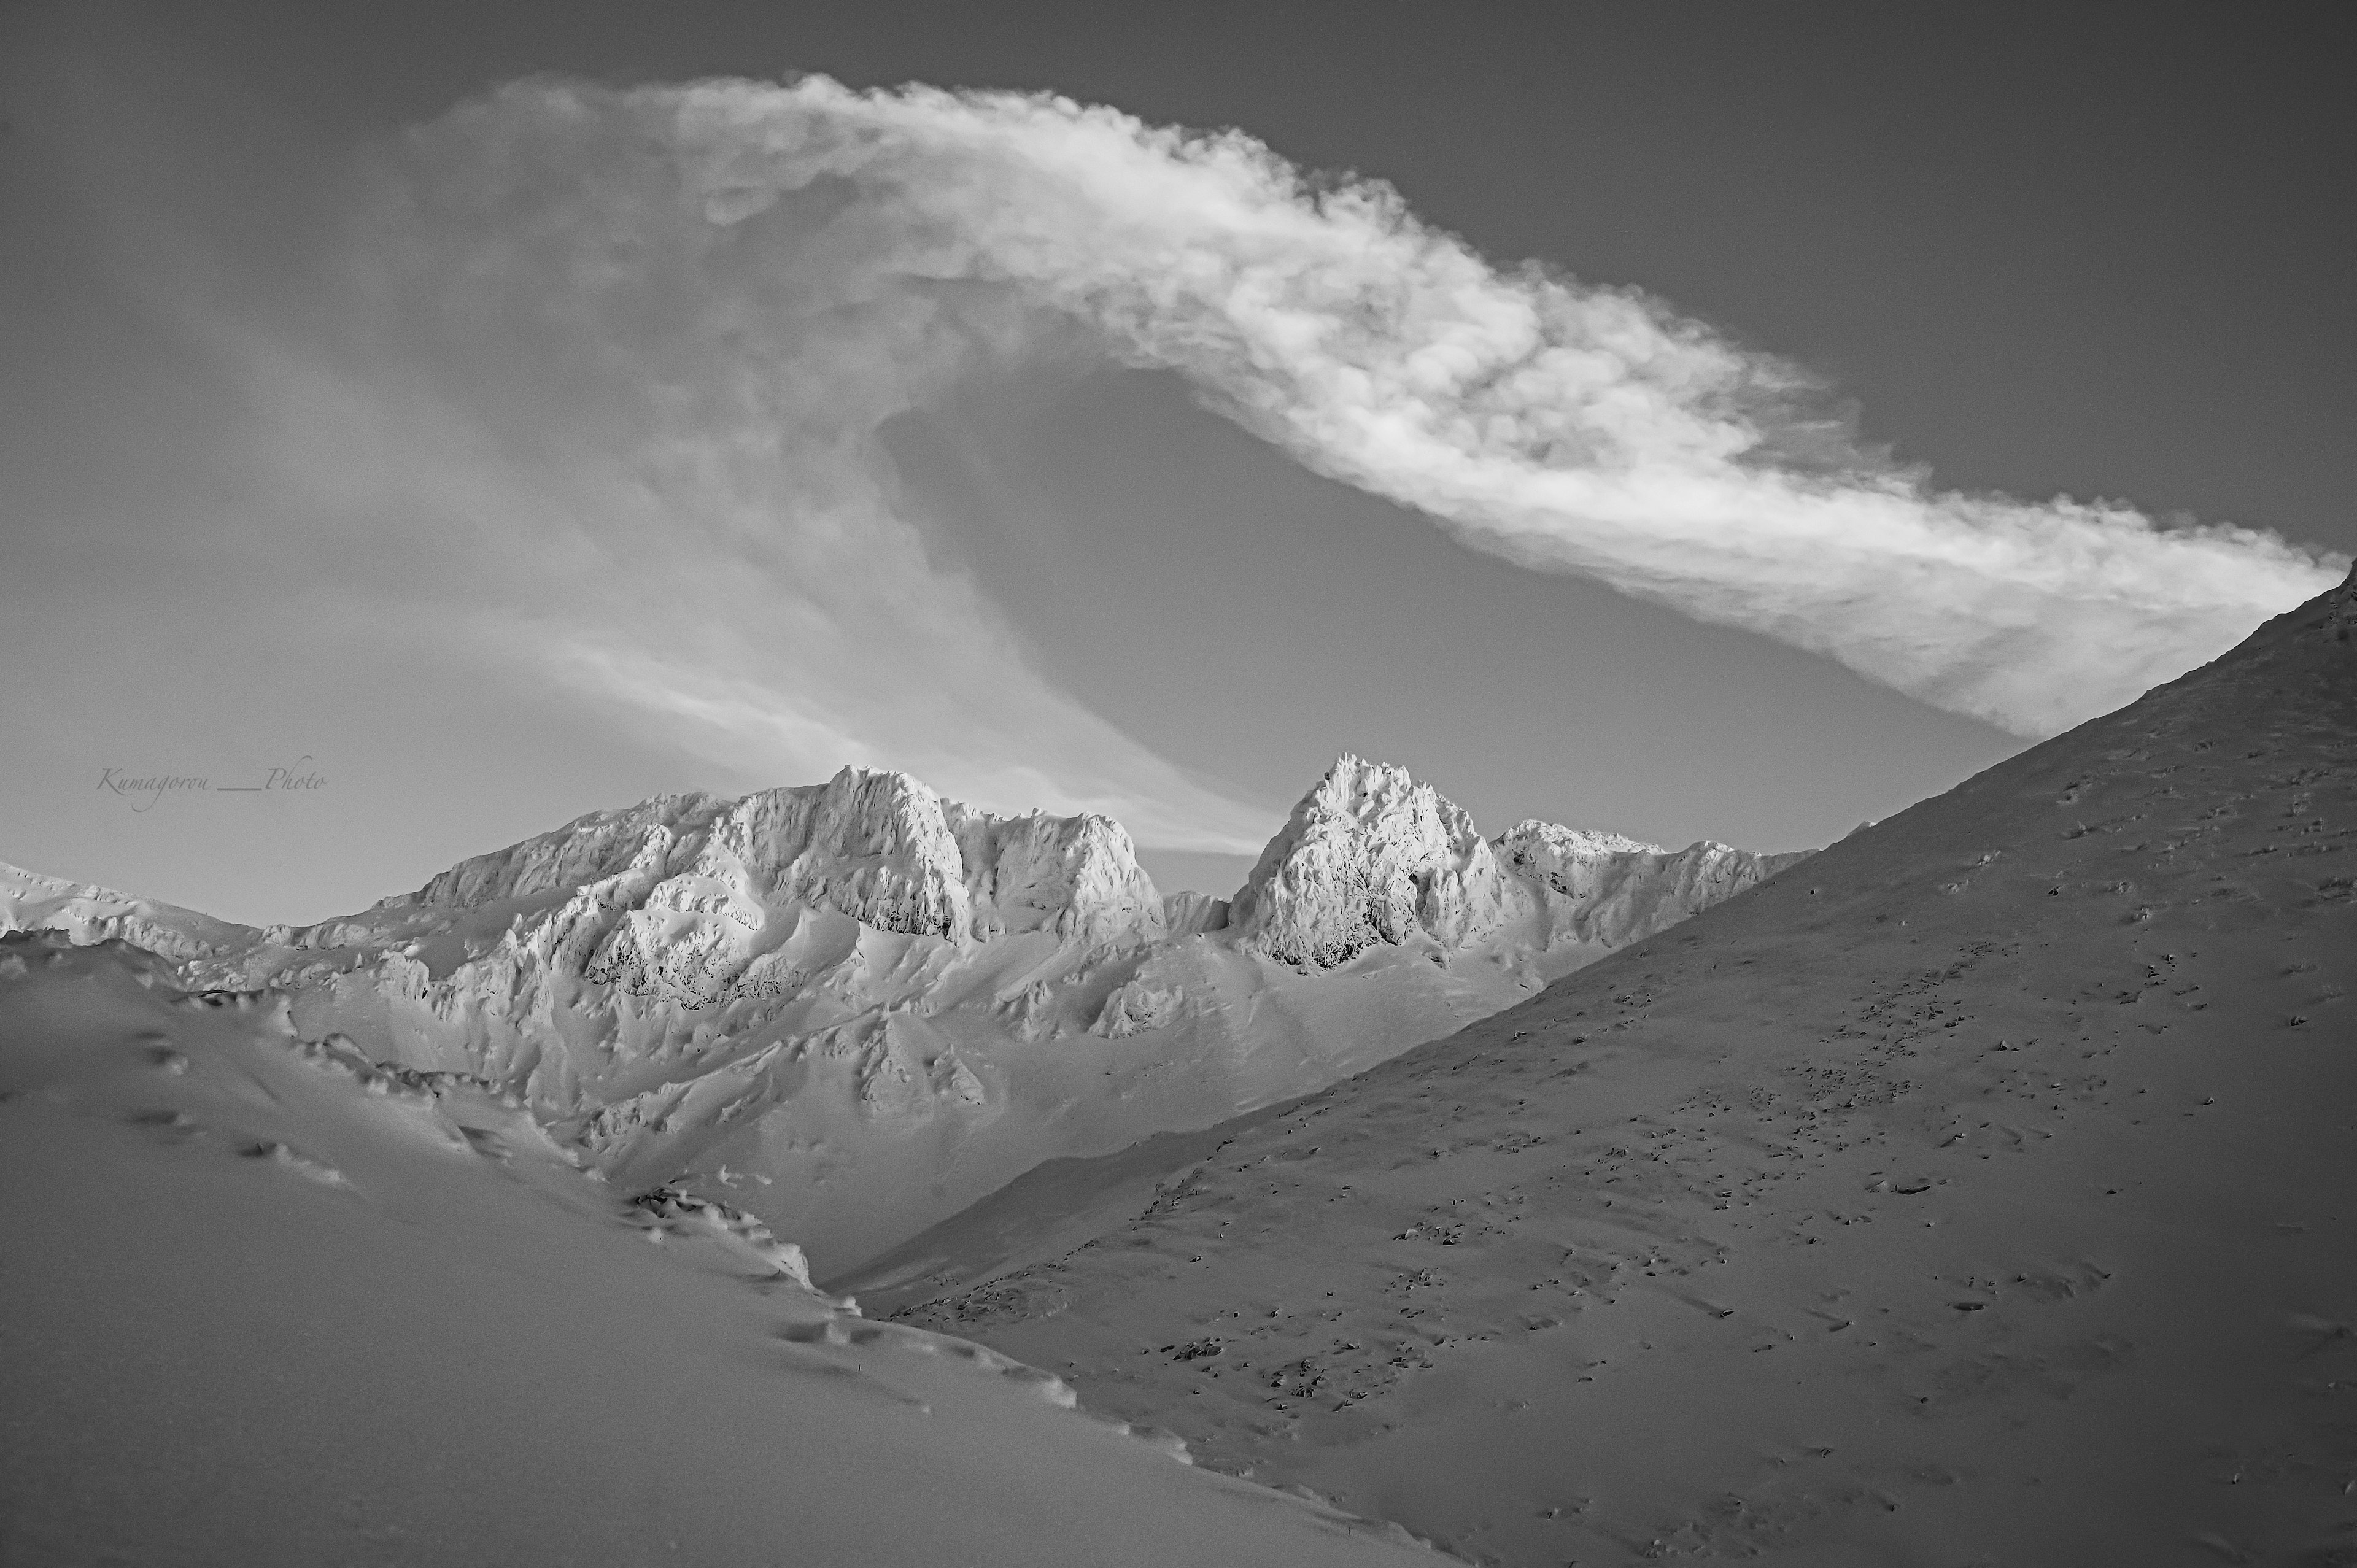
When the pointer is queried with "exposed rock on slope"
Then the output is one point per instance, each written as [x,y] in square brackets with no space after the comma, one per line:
[1982,1191]
[854,1007]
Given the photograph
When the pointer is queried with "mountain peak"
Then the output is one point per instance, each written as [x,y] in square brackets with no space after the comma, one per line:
[1370,856]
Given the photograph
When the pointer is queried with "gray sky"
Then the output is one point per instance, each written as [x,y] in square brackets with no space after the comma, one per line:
[319,442]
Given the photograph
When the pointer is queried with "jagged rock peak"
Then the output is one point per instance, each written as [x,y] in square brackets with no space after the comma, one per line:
[1370,855]
[872,843]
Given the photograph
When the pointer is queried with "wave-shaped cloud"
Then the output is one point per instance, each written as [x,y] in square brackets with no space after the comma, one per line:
[1565,426]
[685,311]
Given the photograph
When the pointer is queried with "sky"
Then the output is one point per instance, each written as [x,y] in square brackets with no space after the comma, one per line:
[1730,422]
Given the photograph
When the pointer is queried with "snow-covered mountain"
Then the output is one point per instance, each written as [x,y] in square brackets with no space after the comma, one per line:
[1982,1191]
[1371,858]
[87,913]
[853,1007]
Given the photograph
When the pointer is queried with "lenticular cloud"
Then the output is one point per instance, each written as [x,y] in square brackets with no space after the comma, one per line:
[764,272]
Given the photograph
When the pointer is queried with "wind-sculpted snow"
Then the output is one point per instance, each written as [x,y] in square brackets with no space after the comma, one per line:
[854,1007]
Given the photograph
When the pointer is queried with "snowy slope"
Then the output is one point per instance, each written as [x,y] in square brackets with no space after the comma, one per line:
[853,1008]
[1983,1192]
[87,913]
[266,1304]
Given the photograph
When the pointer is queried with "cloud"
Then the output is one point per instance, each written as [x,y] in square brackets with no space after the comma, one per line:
[1564,426]
[597,375]
[546,404]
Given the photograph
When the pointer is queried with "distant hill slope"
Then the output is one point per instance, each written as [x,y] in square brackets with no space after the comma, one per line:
[1984,1191]
[854,1007]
